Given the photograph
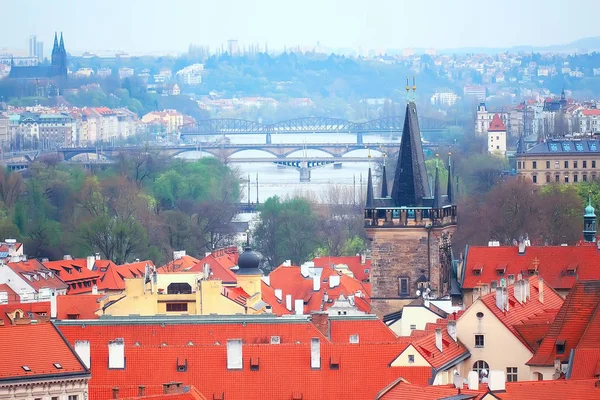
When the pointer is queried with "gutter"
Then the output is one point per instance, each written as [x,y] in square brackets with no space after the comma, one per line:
[65,375]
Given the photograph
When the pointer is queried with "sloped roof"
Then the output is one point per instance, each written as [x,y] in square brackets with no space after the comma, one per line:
[577,323]
[83,305]
[12,296]
[191,394]
[220,261]
[73,272]
[520,313]
[35,308]
[35,270]
[452,351]
[37,347]
[496,125]
[362,369]
[353,263]
[401,390]
[368,331]
[113,276]
[553,262]
[268,296]
[179,265]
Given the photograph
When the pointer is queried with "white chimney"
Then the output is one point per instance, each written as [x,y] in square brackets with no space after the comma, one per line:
[499,299]
[522,246]
[288,302]
[452,329]
[541,289]
[526,291]
[178,254]
[305,268]
[287,263]
[95,289]
[97,256]
[90,262]
[116,354]
[438,339]
[316,282]
[299,306]
[67,257]
[53,306]
[234,354]
[334,281]
[363,259]
[505,298]
[279,294]
[458,380]
[518,287]
[315,353]
[473,380]
[82,348]
[496,381]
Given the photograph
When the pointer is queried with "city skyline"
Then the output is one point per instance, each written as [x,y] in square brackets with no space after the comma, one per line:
[142,26]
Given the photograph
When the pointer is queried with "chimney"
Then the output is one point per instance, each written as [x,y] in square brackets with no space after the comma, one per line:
[496,381]
[473,380]
[315,353]
[526,291]
[82,348]
[452,330]
[67,257]
[363,259]
[234,354]
[288,302]
[438,339]
[518,287]
[305,269]
[90,262]
[115,392]
[116,354]
[316,282]
[321,321]
[299,306]
[522,246]
[141,391]
[541,289]
[279,294]
[97,256]
[95,289]
[334,281]
[499,300]
[505,298]
[172,387]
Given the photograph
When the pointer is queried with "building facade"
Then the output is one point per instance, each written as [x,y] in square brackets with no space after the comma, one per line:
[497,137]
[410,231]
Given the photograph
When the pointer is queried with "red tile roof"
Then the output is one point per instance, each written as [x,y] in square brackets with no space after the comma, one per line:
[576,324]
[192,394]
[113,276]
[353,263]
[83,306]
[220,261]
[520,313]
[401,390]
[552,262]
[368,331]
[268,296]
[452,351]
[361,369]
[590,112]
[36,310]
[496,125]
[12,297]
[36,275]
[179,265]
[75,274]
[37,347]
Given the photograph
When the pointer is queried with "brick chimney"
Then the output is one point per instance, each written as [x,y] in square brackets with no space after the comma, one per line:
[115,393]
[321,321]
[141,391]
[172,387]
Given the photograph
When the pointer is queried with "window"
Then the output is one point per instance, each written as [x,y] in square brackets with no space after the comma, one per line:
[177,307]
[479,342]
[547,178]
[497,147]
[584,177]
[403,286]
[73,397]
[566,179]
[557,178]
[585,164]
[574,164]
[411,358]
[479,315]
[354,339]
[560,347]
[575,178]
[57,366]
[535,165]
[480,366]
[497,137]
[519,165]
[566,164]
[413,327]
[556,165]
[511,374]
[593,163]
[26,368]
[179,288]
[534,179]
[547,164]
[54,398]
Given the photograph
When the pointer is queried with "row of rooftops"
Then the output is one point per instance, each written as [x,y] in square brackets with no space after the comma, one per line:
[571,147]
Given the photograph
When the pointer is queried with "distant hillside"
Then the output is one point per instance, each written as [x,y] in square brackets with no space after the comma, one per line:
[578,46]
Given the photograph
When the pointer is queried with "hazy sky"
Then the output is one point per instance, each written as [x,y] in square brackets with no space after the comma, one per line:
[161,25]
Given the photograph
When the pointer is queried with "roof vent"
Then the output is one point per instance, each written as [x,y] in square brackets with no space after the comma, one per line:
[275,339]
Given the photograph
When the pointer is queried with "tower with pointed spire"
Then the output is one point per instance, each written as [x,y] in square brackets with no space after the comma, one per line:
[589,222]
[56,71]
[410,230]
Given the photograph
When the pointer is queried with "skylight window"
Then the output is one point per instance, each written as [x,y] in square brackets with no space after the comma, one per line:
[566,146]
[26,368]
[553,147]
[593,146]
[57,366]
[579,146]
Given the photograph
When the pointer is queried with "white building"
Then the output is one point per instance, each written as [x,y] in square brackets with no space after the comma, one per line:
[104,72]
[191,75]
[444,99]
[497,136]
[125,72]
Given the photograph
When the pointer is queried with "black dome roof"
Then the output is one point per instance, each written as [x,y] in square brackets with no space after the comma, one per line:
[248,262]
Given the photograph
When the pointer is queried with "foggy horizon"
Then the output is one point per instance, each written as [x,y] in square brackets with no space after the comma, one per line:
[154,26]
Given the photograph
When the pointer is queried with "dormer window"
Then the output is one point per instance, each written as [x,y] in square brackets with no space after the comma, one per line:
[571,270]
[501,269]
[477,268]
[560,346]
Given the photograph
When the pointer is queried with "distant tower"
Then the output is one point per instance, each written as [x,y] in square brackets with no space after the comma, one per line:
[410,231]
[55,58]
[589,222]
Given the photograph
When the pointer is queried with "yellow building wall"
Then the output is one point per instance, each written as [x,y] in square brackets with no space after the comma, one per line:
[212,301]
[250,284]
[402,359]
[133,300]
[501,348]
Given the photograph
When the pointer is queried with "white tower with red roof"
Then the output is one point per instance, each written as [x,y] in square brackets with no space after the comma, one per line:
[497,136]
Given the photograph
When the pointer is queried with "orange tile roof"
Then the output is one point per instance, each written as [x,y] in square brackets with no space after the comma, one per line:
[452,351]
[38,347]
[401,390]
[75,274]
[268,296]
[553,263]
[368,331]
[35,270]
[191,394]
[353,263]
[220,261]
[520,313]
[577,323]
[113,276]
[179,265]
[83,306]
[12,296]
[496,125]
[362,369]
[36,309]
[590,112]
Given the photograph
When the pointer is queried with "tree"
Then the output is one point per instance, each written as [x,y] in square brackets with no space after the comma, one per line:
[11,187]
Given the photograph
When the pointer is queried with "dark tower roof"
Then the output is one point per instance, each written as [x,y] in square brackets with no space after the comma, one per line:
[411,184]
[55,47]
[61,47]
[384,188]
[248,263]
[521,145]
[369,202]
[437,195]
[450,187]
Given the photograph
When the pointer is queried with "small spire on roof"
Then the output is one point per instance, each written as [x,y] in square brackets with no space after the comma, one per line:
[384,188]
[437,198]
[369,202]
[450,187]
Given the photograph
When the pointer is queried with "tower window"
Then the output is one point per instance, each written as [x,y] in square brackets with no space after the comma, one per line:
[547,164]
[534,179]
[403,286]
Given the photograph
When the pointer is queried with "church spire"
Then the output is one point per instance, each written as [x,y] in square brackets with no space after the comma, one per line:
[589,222]
[61,47]
[521,145]
[384,188]
[369,202]
[411,183]
[437,196]
[450,187]
[55,47]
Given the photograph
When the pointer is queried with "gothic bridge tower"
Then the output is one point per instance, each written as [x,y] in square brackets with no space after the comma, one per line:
[411,230]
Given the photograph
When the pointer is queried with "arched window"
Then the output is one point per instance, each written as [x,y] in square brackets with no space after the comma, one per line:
[479,366]
[179,288]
